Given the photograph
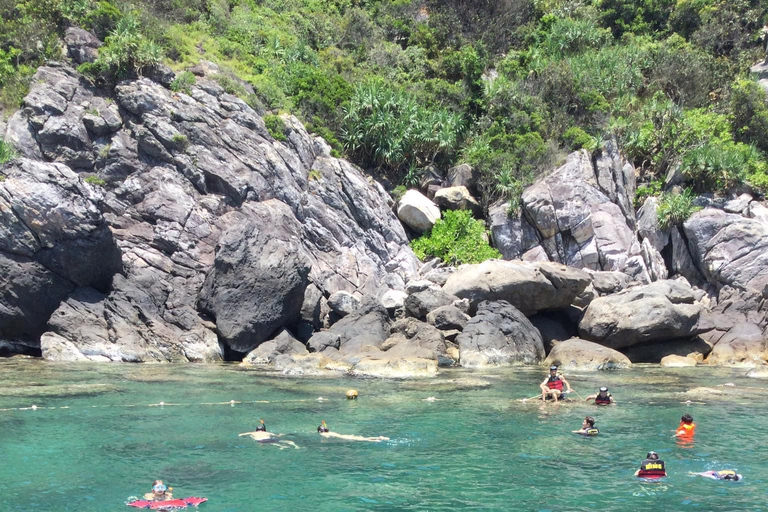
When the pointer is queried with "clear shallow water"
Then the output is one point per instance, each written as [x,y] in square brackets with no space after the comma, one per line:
[476,448]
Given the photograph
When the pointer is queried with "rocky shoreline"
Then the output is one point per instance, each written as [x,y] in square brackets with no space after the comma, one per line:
[145,225]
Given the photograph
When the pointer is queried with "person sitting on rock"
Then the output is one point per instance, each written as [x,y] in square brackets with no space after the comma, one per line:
[602,397]
[652,467]
[687,427]
[588,427]
[324,431]
[723,474]
[262,436]
[552,386]
[159,492]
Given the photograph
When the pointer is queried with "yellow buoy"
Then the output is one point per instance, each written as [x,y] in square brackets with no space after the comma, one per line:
[351,394]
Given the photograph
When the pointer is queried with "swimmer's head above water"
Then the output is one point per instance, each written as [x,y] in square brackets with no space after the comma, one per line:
[323,427]
[261,427]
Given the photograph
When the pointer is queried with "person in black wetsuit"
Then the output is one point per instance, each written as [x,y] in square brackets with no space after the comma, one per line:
[652,467]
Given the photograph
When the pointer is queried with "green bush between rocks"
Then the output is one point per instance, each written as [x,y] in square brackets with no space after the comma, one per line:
[456,238]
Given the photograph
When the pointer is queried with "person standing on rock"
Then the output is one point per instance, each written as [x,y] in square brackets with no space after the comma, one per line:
[552,386]
[602,397]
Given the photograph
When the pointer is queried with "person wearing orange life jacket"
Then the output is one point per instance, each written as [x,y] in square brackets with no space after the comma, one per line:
[652,467]
[687,427]
[552,386]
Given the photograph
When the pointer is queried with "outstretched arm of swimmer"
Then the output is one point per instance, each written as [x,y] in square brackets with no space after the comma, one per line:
[590,397]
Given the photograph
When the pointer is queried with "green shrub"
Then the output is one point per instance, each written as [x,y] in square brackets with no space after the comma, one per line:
[722,166]
[456,238]
[398,192]
[674,209]
[126,51]
[750,113]
[183,82]
[651,189]
[180,141]
[276,127]
[576,138]
[389,128]
[95,180]
[7,152]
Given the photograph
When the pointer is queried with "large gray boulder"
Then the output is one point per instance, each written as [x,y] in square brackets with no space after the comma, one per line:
[267,352]
[583,213]
[729,249]
[417,211]
[696,347]
[658,311]
[530,287]
[743,345]
[578,354]
[421,303]
[366,326]
[457,198]
[499,335]
[414,338]
[258,278]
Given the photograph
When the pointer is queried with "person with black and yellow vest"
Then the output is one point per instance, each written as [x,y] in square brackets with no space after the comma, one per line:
[553,384]
[652,467]
[587,427]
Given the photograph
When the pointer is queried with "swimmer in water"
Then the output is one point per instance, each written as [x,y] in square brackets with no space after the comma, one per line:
[262,436]
[587,427]
[159,492]
[687,427]
[324,431]
[652,467]
[723,474]
[552,386]
[602,397]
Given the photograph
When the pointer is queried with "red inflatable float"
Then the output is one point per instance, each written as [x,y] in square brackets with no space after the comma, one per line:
[167,504]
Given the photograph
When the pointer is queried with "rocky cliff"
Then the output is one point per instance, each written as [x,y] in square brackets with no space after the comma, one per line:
[143,224]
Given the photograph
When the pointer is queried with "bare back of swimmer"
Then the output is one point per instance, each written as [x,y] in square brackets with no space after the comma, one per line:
[324,431]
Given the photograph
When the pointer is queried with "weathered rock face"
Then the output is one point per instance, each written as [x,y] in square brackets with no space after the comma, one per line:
[583,214]
[267,352]
[417,211]
[578,354]
[420,304]
[661,310]
[744,345]
[512,235]
[257,281]
[729,249]
[498,335]
[185,174]
[530,287]
[53,238]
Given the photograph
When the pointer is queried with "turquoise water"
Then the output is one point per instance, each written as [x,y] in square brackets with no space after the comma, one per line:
[475,448]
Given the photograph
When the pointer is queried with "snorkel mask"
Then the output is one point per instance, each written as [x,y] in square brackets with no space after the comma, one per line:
[159,488]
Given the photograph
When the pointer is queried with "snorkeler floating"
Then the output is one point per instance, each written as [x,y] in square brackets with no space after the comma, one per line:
[587,427]
[602,397]
[723,474]
[652,467]
[159,491]
[262,436]
[324,431]
[552,386]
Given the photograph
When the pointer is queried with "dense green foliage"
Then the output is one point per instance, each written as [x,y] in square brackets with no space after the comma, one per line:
[675,208]
[405,85]
[7,152]
[456,238]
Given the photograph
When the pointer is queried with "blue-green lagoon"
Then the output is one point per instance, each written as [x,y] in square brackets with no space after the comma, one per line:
[94,440]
